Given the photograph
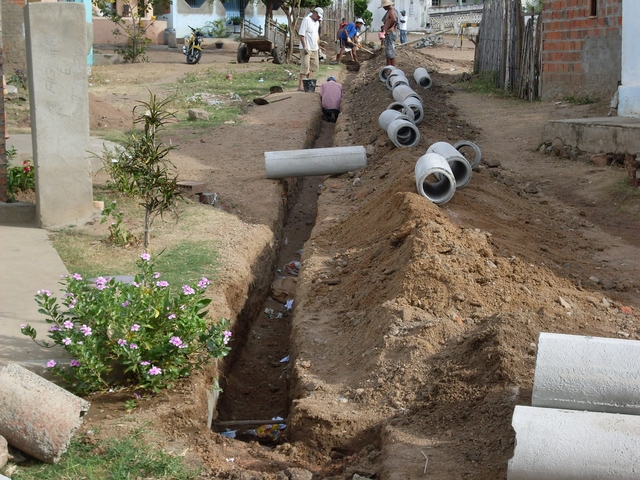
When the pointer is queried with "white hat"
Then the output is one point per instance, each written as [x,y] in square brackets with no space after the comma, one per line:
[359,20]
[386,3]
[319,11]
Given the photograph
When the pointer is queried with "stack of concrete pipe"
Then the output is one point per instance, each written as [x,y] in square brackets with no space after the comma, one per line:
[584,422]
[442,170]
[401,125]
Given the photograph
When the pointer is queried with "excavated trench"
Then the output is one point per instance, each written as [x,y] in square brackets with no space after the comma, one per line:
[256,383]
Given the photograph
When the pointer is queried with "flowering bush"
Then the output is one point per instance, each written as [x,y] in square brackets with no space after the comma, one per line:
[19,178]
[141,329]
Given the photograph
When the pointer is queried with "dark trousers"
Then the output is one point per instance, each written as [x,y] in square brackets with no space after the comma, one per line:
[330,115]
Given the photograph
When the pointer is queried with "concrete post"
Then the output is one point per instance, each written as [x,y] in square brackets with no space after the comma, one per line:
[587,373]
[563,444]
[37,416]
[629,91]
[59,99]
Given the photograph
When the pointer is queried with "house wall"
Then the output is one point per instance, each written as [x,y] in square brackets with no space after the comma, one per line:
[581,54]
[15,54]
[103,32]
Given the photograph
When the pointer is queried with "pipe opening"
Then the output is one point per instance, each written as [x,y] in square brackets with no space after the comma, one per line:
[437,188]
[425,82]
[470,151]
[461,171]
[406,135]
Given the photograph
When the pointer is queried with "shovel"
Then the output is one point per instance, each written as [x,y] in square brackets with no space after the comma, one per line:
[262,101]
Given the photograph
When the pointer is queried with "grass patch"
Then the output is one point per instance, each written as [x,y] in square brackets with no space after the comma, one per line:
[625,197]
[188,262]
[486,83]
[112,459]
[582,100]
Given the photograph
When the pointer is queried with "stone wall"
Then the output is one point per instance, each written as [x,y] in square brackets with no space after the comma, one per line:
[13,36]
[581,53]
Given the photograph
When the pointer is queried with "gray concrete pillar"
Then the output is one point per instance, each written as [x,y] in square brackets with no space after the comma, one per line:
[587,373]
[629,92]
[556,444]
[59,99]
[37,416]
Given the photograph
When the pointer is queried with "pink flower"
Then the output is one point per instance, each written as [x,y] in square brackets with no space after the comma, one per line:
[86,330]
[175,341]
[74,363]
[227,336]
[22,326]
[137,395]
[73,303]
[54,328]
[51,363]
[171,316]
[77,276]
[122,342]
[155,371]
[66,341]
[101,283]
[135,327]
[133,346]
[203,282]
[144,362]
[162,283]
[145,256]
[67,324]
[46,293]
[125,304]
[187,290]
[156,275]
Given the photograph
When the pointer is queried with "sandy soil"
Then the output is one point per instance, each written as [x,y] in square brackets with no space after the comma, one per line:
[415,326]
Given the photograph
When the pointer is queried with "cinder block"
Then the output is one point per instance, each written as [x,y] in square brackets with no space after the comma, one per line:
[192,187]
[37,416]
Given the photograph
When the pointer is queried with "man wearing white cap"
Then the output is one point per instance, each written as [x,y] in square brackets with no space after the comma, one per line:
[348,37]
[309,60]
[390,23]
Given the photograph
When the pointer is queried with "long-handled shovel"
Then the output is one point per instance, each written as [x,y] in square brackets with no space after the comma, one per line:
[262,101]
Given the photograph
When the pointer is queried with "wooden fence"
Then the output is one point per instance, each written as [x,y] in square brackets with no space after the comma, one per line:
[507,50]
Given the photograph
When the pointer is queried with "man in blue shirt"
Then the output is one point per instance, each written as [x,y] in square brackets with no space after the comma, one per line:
[348,37]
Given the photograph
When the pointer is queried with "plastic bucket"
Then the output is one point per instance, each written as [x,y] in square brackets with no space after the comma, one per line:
[309,84]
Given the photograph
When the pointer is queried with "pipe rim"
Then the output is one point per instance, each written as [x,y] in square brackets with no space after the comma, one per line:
[474,147]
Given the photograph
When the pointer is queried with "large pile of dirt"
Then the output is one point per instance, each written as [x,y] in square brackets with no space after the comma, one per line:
[416,329]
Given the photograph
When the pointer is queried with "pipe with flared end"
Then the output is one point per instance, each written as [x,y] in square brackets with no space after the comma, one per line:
[400,129]
[401,92]
[397,77]
[384,72]
[403,108]
[597,374]
[464,145]
[416,107]
[556,444]
[434,178]
[422,78]
[316,161]
[459,165]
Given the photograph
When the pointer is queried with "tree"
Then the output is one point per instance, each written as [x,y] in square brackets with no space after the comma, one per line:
[140,167]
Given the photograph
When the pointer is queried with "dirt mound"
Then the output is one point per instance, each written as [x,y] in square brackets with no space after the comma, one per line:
[416,328]
[103,115]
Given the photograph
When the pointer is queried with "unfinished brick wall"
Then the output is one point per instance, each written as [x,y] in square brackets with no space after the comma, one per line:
[581,53]
[13,40]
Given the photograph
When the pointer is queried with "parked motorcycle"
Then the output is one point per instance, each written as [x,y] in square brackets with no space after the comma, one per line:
[193,48]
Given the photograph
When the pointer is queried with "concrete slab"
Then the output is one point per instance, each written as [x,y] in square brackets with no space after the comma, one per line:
[28,263]
[596,135]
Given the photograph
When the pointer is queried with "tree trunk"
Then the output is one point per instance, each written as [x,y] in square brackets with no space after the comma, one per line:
[147,215]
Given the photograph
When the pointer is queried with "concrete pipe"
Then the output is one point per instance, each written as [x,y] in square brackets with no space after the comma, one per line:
[316,161]
[384,72]
[463,146]
[400,129]
[401,92]
[434,178]
[459,165]
[403,109]
[422,78]
[556,444]
[587,373]
[37,416]
[397,77]
[416,107]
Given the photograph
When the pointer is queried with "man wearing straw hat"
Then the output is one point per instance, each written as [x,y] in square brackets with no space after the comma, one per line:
[390,23]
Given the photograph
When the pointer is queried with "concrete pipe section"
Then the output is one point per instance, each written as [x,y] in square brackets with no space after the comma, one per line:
[400,128]
[403,109]
[316,161]
[384,72]
[402,92]
[422,78]
[459,165]
[587,373]
[397,77]
[556,444]
[434,178]
[416,108]
[463,146]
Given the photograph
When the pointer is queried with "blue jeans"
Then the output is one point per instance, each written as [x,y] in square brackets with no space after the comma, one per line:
[403,36]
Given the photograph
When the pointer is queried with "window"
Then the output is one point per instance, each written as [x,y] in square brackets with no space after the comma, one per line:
[195,3]
[593,8]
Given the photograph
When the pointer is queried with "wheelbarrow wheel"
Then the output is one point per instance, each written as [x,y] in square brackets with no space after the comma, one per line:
[244,54]
[278,55]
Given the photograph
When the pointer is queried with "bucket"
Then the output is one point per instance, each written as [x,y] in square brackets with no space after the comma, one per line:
[309,84]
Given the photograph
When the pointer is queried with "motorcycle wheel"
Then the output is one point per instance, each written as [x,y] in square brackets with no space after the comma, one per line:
[193,56]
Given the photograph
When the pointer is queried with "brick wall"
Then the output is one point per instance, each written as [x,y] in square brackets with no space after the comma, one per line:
[581,54]
[15,54]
